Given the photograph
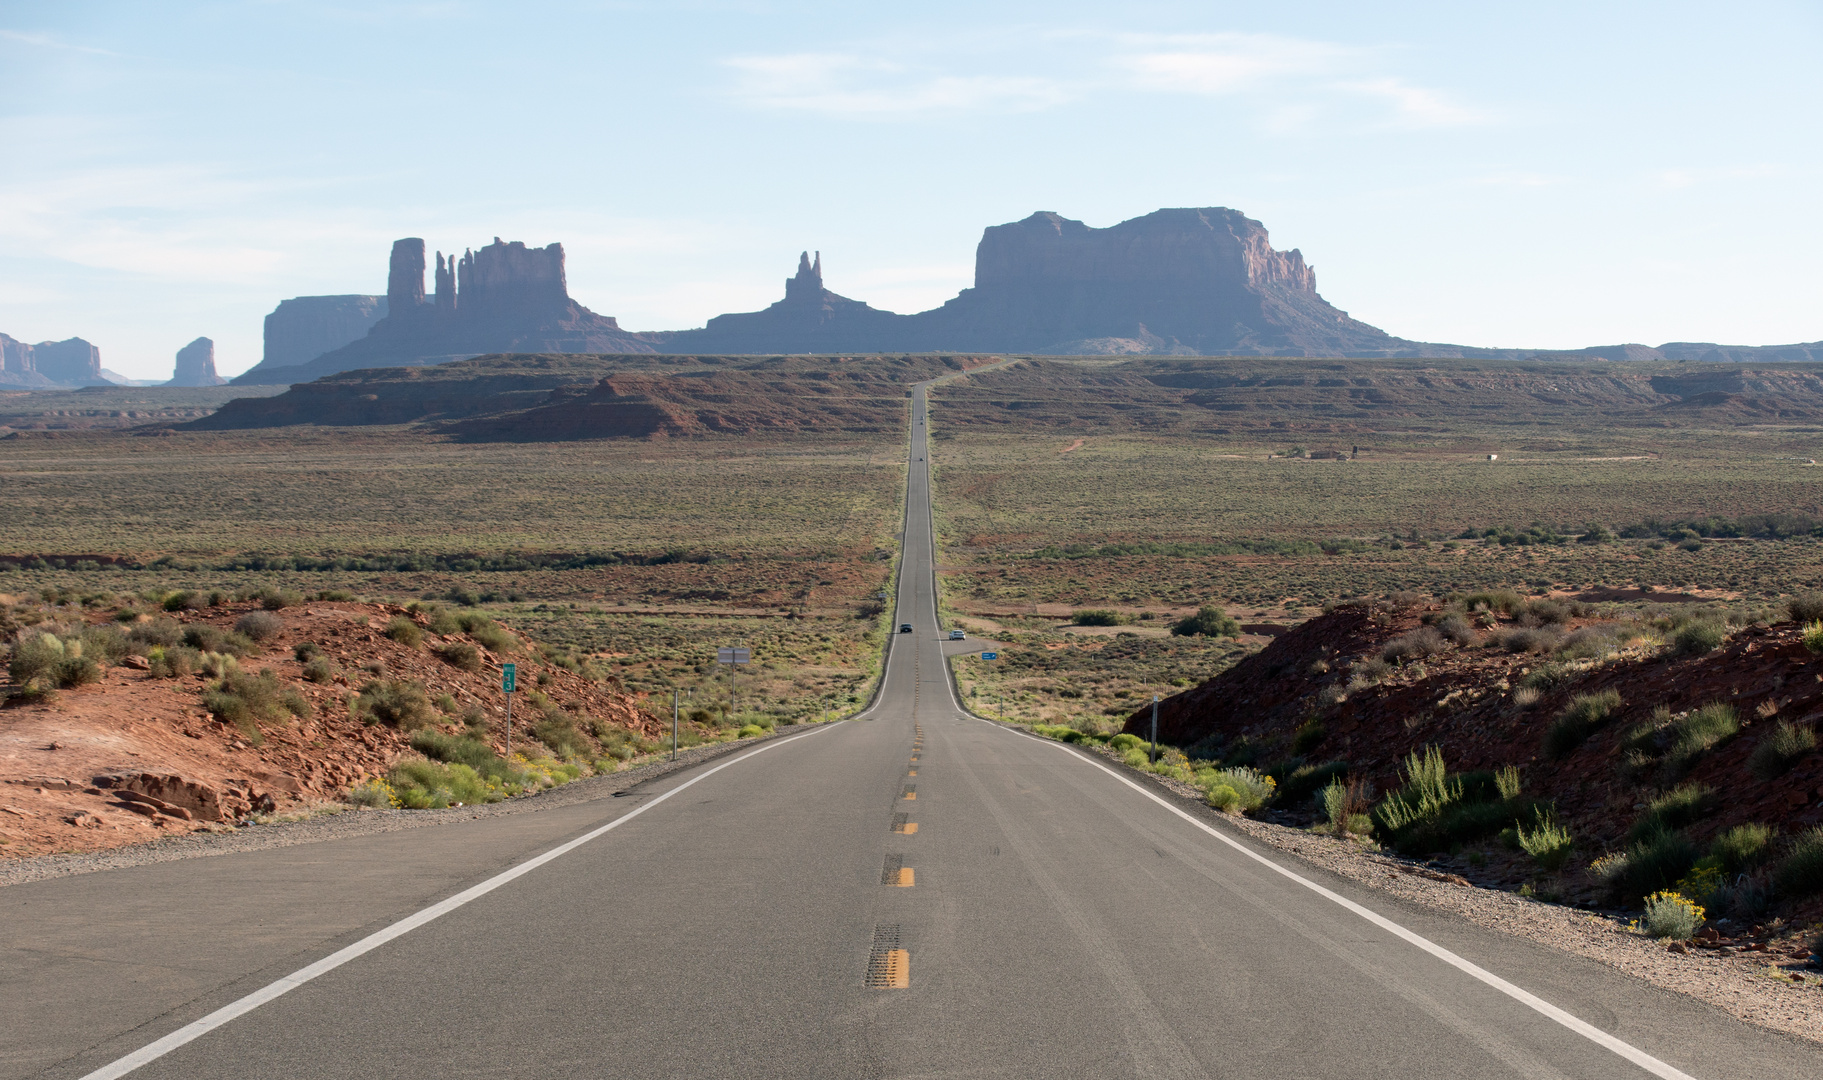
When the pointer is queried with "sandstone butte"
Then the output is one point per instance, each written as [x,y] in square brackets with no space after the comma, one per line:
[134,757]
[1185,281]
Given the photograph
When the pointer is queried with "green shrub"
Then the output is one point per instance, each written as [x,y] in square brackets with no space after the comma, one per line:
[1743,847]
[165,632]
[1126,741]
[1235,790]
[1428,789]
[183,600]
[460,655]
[443,621]
[428,785]
[1506,603]
[244,699]
[1801,874]
[404,631]
[1813,637]
[1548,676]
[493,638]
[1655,861]
[1099,617]
[306,651]
[1419,643]
[375,794]
[1696,638]
[1307,780]
[217,665]
[259,625]
[279,599]
[749,731]
[1585,714]
[174,662]
[1209,621]
[1672,915]
[1548,844]
[1805,608]
[1675,809]
[318,669]
[473,751]
[213,639]
[1308,737]
[1507,782]
[45,662]
[1697,732]
[1781,749]
[560,734]
[395,703]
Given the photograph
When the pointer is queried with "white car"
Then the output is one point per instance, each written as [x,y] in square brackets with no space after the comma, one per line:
[958,635]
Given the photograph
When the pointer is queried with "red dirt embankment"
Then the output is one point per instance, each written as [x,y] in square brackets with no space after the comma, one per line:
[135,757]
[1462,701]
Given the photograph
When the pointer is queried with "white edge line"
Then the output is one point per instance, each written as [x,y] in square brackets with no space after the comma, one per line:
[1581,1027]
[198,1028]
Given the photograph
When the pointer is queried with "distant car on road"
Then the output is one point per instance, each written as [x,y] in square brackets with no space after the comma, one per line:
[905,628]
[958,635]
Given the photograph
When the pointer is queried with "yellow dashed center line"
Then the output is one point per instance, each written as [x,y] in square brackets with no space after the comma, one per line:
[911,795]
[905,877]
[898,969]
[913,772]
[906,829]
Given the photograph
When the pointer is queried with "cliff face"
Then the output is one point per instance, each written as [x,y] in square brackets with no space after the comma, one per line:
[1186,281]
[505,297]
[72,362]
[1175,281]
[305,327]
[196,365]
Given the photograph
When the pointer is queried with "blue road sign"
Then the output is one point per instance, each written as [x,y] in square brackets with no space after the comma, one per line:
[990,656]
[508,672]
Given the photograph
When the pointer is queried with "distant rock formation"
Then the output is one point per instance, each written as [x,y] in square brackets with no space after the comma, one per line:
[73,362]
[1175,281]
[502,298]
[305,327]
[810,319]
[196,365]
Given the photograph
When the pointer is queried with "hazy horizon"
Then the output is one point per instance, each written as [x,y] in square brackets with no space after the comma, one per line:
[1552,178]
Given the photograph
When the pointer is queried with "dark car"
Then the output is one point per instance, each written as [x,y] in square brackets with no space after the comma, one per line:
[905,628]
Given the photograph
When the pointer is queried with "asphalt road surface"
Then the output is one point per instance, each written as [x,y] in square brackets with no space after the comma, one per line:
[916,893]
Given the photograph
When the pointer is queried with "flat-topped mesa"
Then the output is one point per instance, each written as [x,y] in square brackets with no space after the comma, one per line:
[1185,249]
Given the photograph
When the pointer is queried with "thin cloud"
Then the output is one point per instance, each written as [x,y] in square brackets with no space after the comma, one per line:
[848,85]
[1226,63]
[1416,106]
[46,41]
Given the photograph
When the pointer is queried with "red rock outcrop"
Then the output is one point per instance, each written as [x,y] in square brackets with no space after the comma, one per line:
[506,297]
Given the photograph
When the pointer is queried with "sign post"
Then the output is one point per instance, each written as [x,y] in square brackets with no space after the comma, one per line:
[732,656]
[1155,728]
[674,693]
[508,676]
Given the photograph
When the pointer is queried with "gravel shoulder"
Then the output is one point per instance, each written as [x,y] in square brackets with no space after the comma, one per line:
[335,821]
[1752,986]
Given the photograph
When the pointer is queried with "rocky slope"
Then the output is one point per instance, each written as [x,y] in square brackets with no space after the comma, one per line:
[136,756]
[1365,686]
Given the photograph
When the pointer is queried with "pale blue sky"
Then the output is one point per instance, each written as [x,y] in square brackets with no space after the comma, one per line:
[1548,175]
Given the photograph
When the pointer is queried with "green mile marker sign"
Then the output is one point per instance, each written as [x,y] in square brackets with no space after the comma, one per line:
[507,674]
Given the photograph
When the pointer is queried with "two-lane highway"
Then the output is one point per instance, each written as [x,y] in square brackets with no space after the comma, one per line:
[917,893]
